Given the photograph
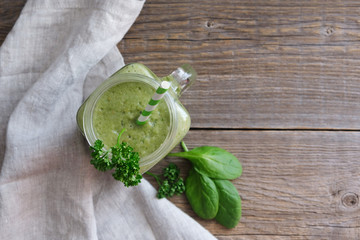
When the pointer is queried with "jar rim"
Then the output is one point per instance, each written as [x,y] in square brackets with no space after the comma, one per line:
[123,78]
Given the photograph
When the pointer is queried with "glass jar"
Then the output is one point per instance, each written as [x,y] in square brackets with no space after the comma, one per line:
[179,118]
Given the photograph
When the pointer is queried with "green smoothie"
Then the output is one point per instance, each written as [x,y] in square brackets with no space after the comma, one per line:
[120,106]
[118,102]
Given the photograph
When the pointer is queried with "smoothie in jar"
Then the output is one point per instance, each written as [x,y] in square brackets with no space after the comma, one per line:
[117,103]
[119,107]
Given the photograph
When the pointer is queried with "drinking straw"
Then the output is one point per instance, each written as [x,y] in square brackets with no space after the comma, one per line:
[159,94]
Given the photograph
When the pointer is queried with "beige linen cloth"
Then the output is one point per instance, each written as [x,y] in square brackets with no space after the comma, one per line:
[56,54]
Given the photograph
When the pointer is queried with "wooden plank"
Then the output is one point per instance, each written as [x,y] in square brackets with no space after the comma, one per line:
[268,64]
[295,184]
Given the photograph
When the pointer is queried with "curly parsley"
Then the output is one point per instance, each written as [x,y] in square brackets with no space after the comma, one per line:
[169,181]
[123,160]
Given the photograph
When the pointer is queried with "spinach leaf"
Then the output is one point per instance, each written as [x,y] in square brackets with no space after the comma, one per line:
[214,162]
[229,212]
[201,192]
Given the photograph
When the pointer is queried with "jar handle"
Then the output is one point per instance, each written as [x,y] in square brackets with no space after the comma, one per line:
[182,78]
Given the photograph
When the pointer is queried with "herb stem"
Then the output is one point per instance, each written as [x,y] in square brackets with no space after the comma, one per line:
[183,145]
[118,139]
[155,176]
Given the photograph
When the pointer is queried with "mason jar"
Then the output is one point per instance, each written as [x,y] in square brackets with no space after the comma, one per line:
[118,102]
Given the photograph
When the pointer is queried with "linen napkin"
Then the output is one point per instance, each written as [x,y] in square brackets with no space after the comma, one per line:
[55,55]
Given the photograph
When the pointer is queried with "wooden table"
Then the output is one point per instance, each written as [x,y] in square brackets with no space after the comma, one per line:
[279,87]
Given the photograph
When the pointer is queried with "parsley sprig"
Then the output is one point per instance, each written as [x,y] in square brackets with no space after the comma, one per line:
[121,158]
[169,181]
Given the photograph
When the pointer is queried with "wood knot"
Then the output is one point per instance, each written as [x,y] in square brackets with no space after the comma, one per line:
[209,24]
[329,30]
[350,199]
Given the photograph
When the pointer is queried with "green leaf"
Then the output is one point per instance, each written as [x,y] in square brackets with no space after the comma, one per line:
[126,164]
[214,162]
[170,182]
[171,172]
[229,212]
[202,194]
[124,161]
[100,158]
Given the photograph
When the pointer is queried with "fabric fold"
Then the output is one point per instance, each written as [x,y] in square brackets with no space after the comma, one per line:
[55,55]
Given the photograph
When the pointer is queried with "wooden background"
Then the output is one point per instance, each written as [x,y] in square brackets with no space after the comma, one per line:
[278,87]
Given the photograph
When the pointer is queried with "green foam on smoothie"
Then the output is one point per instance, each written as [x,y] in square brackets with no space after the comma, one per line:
[119,107]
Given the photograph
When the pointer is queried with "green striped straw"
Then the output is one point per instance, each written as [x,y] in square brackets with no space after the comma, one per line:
[159,94]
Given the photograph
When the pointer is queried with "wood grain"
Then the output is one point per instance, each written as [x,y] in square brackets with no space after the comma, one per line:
[264,64]
[295,184]
[268,64]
